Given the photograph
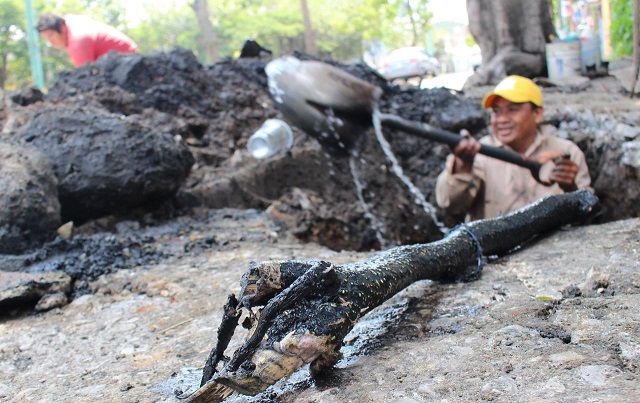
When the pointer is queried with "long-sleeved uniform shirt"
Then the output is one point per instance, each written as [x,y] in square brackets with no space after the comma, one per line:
[88,39]
[496,187]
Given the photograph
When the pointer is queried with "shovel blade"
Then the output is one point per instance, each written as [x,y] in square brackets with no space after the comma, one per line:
[326,102]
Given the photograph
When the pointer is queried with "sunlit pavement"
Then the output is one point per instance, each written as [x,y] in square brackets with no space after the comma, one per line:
[453,81]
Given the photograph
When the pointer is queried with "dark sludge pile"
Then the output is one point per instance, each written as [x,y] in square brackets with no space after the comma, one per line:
[69,267]
[66,268]
[214,109]
[87,257]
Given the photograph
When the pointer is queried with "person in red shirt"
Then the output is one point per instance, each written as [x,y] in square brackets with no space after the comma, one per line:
[84,38]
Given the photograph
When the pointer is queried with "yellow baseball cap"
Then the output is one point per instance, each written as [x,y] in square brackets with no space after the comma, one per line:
[516,89]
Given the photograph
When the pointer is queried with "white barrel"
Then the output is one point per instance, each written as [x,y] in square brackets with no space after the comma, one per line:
[272,137]
[563,59]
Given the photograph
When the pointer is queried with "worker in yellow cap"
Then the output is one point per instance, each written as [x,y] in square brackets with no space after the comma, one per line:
[483,187]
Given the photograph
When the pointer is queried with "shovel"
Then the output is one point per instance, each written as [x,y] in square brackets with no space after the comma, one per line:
[334,107]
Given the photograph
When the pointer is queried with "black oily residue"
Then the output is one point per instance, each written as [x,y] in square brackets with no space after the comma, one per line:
[379,327]
[373,331]
[86,258]
[402,318]
[554,332]
[410,318]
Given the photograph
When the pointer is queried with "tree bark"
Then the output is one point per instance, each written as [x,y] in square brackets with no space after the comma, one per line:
[207,39]
[310,45]
[414,23]
[512,35]
[309,307]
[636,46]
[3,69]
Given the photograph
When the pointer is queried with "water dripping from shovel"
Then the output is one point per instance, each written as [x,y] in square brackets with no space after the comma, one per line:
[378,226]
[398,171]
[335,108]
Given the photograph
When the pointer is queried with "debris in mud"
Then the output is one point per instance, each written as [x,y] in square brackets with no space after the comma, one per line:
[595,284]
[85,258]
[132,347]
[318,199]
[220,105]
[48,290]
[352,203]
[27,96]
[114,243]
[309,307]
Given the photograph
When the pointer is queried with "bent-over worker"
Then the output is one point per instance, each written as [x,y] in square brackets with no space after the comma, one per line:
[84,38]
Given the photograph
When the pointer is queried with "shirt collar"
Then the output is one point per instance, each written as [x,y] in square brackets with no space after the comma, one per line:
[541,135]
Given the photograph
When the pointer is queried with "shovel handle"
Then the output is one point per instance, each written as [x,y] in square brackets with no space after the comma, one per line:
[429,132]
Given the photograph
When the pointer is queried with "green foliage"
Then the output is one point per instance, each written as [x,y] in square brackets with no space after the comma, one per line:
[111,12]
[159,32]
[469,41]
[275,24]
[341,27]
[417,16]
[622,27]
[14,59]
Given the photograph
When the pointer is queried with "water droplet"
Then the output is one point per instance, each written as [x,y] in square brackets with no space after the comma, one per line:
[397,169]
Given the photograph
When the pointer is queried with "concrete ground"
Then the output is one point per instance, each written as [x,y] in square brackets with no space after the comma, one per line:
[556,321]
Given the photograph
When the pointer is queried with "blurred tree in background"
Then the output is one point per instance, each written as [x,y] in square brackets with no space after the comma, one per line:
[14,59]
[622,27]
[341,28]
[418,15]
[163,29]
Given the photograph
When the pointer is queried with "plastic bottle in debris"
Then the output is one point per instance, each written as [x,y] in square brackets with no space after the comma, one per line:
[274,136]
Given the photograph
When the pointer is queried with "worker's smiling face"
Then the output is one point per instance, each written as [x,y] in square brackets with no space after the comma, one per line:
[515,124]
[55,38]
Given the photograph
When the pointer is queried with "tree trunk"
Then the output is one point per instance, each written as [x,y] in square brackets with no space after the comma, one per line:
[414,24]
[3,69]
[512,35]
[207,39]
[309,307]
[636,46]
[310,45]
